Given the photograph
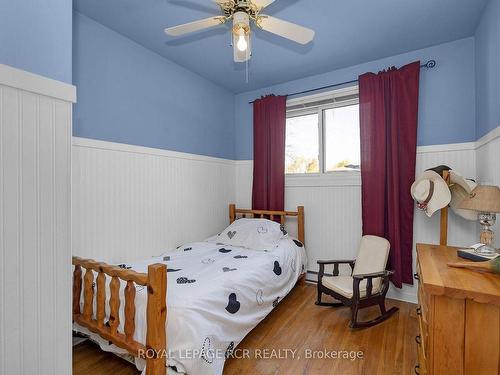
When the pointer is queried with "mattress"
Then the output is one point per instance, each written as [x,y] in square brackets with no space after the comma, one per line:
[216,294]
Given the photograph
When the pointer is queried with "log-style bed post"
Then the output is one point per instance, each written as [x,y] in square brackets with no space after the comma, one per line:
[88,294]
[300,224]
[156,338]
[232,213]
[77,289]
[101,299]
[114,305]
[129,311]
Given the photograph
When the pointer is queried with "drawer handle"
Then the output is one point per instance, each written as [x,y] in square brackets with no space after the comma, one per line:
[415,275]
[416,369]
[418,339]
[419,310]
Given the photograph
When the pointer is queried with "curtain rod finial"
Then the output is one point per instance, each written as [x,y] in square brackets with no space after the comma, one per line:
[429,64]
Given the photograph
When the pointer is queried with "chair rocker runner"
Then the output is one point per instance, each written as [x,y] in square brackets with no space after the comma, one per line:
[367,285]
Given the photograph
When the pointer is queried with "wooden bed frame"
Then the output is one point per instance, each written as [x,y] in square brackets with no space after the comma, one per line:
[155,350]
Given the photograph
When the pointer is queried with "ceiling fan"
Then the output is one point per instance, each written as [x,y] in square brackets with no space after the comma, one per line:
[241,12]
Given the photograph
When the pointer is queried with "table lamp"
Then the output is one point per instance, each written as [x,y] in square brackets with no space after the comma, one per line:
[486,201]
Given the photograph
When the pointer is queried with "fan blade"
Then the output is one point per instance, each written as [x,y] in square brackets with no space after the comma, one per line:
[292,31]
[194,26]
[262,3]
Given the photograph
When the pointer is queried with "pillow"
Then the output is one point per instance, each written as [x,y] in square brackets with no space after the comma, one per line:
[256,234]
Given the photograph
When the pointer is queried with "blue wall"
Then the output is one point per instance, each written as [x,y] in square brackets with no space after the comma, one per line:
[35,36]
[447,94]
[128,94]
[488,70]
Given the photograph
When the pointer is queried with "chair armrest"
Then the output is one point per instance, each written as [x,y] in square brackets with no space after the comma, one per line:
[335,263]
[384,273]
[369,283]
[344,261]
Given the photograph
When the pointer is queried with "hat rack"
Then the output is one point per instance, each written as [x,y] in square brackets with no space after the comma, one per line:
[443,232]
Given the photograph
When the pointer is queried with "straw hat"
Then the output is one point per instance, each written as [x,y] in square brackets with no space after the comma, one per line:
[430,192]
[460,189]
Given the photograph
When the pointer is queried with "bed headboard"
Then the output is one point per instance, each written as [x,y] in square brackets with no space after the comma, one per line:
[235,212]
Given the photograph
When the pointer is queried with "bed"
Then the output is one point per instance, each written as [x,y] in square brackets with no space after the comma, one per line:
[216,294]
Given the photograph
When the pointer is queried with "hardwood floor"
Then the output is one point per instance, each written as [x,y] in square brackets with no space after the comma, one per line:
[298,324]
[89,359]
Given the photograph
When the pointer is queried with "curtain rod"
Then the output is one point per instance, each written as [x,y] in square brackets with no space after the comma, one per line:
[429,65]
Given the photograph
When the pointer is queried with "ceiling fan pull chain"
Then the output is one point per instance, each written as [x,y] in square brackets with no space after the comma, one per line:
[247,69]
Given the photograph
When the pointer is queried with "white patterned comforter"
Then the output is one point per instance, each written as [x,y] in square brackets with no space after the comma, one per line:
[216,295]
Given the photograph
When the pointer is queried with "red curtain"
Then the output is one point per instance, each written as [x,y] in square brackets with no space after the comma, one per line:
[269,120]
[388,126]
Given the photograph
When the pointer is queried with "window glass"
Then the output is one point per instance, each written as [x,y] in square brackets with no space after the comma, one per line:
[341,138]
[302,144]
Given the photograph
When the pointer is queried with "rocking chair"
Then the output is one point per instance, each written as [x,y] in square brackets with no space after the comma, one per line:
[367,286]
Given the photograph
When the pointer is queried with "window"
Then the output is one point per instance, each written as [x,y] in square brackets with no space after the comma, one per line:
[322,133]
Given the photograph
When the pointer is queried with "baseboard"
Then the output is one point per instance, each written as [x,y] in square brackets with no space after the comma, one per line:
[401,295]
[78,340]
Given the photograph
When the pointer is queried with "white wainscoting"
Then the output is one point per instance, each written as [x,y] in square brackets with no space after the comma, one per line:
[333,208]
[35,217]
[488,158]
[132,202]
[460,157]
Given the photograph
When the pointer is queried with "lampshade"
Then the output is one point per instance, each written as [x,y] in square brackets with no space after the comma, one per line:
[483,199]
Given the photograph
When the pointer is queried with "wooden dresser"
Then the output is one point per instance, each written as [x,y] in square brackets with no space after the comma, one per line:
[459,316]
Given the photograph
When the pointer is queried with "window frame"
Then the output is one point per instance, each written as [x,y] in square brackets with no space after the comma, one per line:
[319,111]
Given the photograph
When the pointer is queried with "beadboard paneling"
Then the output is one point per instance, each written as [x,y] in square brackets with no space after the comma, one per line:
[333,208]
[35,216]
[460,232]
[133,202]
[130,202]
[488,158]
[426,230]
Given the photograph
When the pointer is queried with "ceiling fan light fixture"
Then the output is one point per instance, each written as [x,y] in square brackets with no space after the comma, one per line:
[241,36]
[241,12]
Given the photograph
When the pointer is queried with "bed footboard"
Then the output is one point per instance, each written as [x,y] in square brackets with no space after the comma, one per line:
[154,352]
